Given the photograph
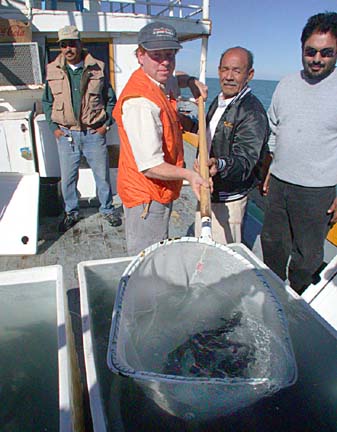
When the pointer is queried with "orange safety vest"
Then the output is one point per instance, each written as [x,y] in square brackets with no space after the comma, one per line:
[133,187]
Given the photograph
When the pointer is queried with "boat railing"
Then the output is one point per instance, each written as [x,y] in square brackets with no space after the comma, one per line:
[173,8]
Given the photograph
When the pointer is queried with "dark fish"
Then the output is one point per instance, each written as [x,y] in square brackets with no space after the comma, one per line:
[212,353]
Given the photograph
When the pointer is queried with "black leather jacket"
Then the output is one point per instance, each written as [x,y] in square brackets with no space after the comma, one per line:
[240,138]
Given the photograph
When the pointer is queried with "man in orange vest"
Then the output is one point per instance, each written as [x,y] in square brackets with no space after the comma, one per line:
[150,170]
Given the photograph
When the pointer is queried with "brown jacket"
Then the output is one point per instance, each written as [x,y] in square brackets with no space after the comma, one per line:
[92,83]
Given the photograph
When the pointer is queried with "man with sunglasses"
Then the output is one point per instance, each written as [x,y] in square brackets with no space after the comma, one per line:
[150,170]
[301,187]
[78,102]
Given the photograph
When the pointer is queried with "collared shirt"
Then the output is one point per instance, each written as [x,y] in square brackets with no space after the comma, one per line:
[146,139]
[75,73]
[222,105]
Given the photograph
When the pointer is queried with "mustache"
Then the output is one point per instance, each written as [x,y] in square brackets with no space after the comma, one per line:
[229,83]
[313,63]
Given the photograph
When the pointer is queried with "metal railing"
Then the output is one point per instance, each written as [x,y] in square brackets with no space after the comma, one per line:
[79,6]
[173,8]
[176,8]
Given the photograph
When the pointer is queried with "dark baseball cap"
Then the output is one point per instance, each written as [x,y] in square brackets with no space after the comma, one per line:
[158,36]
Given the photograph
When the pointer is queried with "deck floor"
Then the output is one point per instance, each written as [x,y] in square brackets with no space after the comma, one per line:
[92,238]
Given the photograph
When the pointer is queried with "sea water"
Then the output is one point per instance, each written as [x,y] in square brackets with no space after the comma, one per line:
[128,409]
[240,348]
[28,358]
[262,89]
[236,346]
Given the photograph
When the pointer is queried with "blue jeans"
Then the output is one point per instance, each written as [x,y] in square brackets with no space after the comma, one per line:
[93,146]
[295,226]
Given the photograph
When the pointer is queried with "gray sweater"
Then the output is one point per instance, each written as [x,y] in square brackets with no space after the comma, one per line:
[303,120]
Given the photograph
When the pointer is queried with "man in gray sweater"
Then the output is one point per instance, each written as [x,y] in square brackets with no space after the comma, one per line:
[301,187]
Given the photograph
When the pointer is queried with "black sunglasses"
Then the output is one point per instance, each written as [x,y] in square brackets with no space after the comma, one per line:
[68,43]
[324,52]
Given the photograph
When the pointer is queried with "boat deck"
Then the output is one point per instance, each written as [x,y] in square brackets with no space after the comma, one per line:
[92,238]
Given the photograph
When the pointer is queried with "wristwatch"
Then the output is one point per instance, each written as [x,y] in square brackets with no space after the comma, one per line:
[107,128]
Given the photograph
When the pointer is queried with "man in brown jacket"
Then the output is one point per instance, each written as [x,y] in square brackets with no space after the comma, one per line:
[78,102]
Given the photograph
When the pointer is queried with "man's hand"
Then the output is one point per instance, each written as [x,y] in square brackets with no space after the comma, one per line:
[102,130]
[58,133]
[333,211]
[196,182]
[198,88]
[264,185]
[196,168]
[213,166]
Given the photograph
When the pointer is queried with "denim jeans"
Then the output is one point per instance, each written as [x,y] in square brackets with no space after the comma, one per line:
[295,226]
[93,146]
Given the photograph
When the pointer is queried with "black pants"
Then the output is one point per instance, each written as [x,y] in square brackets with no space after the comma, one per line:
[295,225]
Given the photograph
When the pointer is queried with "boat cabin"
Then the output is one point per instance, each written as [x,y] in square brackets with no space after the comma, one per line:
[28,41]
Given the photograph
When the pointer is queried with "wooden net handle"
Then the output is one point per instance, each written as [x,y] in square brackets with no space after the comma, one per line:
[205,198]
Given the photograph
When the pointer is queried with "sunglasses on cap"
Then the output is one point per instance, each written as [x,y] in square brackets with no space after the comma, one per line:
[68,43]
[324,52]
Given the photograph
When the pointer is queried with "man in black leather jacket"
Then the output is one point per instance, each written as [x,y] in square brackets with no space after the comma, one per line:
[237,136]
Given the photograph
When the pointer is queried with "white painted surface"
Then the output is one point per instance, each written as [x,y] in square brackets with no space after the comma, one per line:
[33,277]
[93,22]
[96,403]
[86,185]
[323,296]
[46,148]
[19,199]
[16,144]
[5,164]
[125,60]
[19,99]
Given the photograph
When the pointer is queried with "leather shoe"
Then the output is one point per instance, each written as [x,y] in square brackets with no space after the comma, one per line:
[113,219]
[69,220]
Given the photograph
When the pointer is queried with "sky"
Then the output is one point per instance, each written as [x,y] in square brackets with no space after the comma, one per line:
[271,29]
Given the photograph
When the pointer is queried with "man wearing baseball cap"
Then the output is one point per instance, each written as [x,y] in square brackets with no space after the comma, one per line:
[78,102]
[150,170]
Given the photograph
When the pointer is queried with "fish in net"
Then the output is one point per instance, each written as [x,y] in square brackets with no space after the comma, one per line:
[212,353]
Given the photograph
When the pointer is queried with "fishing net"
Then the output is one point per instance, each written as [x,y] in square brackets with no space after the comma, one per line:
[200,330]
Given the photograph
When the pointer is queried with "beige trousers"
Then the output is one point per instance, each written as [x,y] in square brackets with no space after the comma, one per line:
[227,221]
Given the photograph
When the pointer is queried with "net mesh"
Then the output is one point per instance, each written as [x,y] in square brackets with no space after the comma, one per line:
[193,314]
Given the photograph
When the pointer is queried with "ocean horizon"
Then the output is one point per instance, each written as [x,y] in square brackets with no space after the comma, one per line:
[262,89]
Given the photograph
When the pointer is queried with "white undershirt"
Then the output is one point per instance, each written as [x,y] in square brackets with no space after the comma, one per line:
[76,66]
[222,105]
